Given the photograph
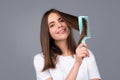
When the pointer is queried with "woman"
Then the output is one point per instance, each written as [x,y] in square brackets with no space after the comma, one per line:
[61,59]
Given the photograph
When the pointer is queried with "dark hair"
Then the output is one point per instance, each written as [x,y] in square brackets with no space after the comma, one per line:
[49,48]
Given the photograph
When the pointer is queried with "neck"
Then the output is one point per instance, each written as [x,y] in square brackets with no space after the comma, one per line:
[64,47]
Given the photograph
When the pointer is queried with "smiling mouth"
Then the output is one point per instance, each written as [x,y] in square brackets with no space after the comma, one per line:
[61,31]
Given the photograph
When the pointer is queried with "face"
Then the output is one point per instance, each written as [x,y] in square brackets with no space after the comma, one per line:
[58,28]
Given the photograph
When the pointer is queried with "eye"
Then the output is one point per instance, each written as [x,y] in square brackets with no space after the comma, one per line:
[62,20]
[51,25]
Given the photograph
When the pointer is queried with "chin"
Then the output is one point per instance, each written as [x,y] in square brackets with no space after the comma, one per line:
[61,38]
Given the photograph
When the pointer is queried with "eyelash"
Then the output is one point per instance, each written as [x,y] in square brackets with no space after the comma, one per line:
[51,25]
[61,20]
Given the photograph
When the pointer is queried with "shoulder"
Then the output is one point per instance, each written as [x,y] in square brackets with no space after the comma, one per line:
[92,66]
[90,52]
[38,56]
[38,60]
[38,65]
[91,55]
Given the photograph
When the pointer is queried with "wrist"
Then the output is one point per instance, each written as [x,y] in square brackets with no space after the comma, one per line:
[78,62]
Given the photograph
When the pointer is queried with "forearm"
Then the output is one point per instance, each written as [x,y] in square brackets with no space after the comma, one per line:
[74,71]
[96,79]
[49,78]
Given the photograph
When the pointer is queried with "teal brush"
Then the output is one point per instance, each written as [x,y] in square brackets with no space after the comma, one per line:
[84,29]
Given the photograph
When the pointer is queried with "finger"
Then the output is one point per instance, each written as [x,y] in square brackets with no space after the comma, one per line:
[79,50]
[83,56]
[84,52]
[83,49]
[82,45]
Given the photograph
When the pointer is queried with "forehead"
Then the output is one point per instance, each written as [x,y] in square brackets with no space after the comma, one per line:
[53,17]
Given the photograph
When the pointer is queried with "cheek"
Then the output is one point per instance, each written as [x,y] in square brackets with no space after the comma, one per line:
[52,33]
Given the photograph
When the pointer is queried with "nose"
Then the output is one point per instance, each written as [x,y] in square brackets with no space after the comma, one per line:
[59,24]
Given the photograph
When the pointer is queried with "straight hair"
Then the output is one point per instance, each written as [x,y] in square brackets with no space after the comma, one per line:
[49,48]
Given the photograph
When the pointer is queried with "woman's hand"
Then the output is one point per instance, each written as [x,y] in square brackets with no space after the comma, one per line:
[81,52]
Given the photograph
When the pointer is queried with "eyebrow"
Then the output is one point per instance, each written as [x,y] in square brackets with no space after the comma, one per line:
[54,21]
[51,22]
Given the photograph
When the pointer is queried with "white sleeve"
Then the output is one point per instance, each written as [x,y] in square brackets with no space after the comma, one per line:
[92,66]
[38,65]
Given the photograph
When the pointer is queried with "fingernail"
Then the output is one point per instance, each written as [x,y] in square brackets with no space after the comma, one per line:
[83,46]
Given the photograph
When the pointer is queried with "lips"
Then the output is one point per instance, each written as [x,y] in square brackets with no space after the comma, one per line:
[61,31]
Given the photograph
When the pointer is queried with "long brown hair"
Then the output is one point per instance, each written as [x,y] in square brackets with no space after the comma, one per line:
[49,48]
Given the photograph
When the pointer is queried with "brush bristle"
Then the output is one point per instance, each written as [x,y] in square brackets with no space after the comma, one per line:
[84,26]
[84,29]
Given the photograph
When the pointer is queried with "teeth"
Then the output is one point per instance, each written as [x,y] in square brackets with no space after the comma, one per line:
[61,31]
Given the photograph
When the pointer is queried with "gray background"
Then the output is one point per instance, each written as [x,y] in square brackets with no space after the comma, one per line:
[19,34]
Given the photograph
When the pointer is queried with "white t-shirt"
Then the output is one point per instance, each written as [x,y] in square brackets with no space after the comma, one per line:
[88,69]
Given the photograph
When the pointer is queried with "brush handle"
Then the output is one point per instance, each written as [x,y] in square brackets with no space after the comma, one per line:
[84,39]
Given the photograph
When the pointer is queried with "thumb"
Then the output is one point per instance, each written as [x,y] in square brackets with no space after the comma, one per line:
[82,45]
